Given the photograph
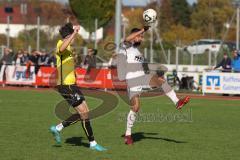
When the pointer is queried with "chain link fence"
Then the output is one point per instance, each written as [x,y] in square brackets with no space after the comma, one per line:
[181,57]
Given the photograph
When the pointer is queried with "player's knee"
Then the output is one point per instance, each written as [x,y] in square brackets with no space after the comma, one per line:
[84,116]
[135,108]
[166,87]
[83,111]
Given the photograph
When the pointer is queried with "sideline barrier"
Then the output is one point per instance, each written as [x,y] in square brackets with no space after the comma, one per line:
[2,73]
[99,78]
[47,77]
[212,82]
[19,75]
[95,78]
[222,83]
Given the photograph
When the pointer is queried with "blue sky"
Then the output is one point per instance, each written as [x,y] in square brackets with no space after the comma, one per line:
[136,2]
[143,2]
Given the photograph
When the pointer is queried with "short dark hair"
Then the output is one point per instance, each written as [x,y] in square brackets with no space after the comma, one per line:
[66,30]
[135,30]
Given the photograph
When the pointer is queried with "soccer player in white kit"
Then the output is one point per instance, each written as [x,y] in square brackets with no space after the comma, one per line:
[130,67]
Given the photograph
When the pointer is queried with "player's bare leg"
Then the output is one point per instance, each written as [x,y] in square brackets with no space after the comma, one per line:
[83,111]
[167,89]
[135,106]
[83,116]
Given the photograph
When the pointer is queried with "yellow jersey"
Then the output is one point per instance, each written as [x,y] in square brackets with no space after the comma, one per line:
[65,65]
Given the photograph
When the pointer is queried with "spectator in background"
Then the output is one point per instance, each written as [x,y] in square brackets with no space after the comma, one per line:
[43,58]
[90,60]
[7,56]
[52,60]
[78,57]
[225,63]
[236,62]
[19,58]
[33,60]
[25,57]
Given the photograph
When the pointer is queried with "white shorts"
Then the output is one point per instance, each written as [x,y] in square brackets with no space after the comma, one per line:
[135,86]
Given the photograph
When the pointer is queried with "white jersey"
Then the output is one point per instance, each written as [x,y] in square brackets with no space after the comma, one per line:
[134,62]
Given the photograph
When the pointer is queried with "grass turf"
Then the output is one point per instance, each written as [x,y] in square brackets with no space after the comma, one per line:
[212,130]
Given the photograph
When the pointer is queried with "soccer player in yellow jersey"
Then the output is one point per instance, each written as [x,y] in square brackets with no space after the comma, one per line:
[66,86]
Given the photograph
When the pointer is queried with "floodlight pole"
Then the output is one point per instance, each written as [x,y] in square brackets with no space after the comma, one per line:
[145,54]
[237,36]
[118,23]
[191,60]
[38,33]
[96,27]
[169,57]
[236,3]
[151,45]
[177,58]
[210,58]
[8,31]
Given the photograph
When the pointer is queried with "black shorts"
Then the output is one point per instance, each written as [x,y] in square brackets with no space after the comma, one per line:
[72,94]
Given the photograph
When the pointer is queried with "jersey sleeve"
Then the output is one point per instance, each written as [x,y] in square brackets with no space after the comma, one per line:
[123,48]
[58,47]
[121,62]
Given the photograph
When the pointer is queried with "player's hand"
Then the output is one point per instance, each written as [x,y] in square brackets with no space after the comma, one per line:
[146,28]
[162,80]
[76,28]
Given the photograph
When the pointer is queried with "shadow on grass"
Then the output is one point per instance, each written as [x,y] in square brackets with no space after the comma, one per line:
[57,145]
[76,141]
[141,135]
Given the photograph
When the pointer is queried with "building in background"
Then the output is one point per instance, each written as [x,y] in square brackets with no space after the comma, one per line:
[17,16]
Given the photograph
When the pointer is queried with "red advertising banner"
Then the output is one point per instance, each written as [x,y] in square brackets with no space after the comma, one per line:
[99,78]
[112,81]
[95,78]
[46,76]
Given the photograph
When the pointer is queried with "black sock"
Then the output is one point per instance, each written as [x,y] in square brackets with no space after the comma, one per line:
[71,120]
[88,129]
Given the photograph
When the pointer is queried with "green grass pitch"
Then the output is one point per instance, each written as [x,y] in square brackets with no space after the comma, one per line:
[211,132]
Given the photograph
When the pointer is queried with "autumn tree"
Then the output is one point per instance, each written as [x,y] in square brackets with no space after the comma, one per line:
[3,39]
[210,17]
[165,15]
[181,12]
[29,37]
[52,12]
[86,11]
[181,35]
[134,17]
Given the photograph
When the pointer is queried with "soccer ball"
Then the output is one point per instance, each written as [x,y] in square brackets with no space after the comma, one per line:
[149,16]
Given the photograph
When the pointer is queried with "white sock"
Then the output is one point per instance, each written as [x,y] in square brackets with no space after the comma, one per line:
[59,127]
[130,121]
[93,143]
[172,95]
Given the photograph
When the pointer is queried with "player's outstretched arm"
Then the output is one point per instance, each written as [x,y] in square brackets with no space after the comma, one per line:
[68,40]
[133,35]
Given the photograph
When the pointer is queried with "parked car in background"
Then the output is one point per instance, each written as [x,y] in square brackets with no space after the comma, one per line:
[204,45]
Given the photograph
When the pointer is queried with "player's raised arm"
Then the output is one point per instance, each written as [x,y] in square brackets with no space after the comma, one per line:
[69,39]
[135,34]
